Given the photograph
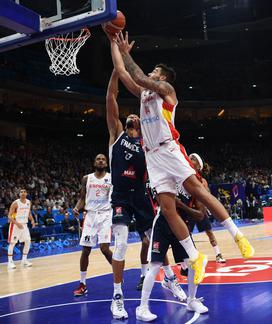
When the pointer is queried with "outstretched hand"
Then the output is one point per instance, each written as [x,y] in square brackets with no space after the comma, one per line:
[123,43]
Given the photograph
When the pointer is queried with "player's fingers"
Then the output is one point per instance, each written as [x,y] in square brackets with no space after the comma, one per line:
[126,37]
[122,37]
[131,44]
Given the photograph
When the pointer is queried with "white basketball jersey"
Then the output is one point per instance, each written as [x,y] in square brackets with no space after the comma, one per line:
[22,211]
[98,192]
[157,119]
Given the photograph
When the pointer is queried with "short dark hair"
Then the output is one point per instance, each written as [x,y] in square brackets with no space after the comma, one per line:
[168,71]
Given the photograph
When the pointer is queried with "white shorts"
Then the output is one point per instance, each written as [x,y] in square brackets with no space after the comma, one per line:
[96,228]
[16,234]
[168,167]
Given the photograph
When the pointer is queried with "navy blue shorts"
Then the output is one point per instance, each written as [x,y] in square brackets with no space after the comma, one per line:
[133,203]
[202,226]
[161,238]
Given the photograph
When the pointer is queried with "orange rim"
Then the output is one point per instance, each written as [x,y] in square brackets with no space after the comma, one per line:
[75,39]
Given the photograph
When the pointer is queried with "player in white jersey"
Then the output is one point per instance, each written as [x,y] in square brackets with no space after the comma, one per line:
[167,162]
[95,199]
[19,213]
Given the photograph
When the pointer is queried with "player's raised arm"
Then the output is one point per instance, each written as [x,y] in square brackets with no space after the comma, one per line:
[161,87]
[115,126]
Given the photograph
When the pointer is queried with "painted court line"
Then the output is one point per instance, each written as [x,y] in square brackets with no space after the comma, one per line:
[193,319]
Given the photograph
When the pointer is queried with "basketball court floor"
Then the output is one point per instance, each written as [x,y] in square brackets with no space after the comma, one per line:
[238,292]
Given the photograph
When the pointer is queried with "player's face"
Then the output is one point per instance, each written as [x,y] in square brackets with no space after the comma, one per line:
[23,194]
[133,121]
[100,162]
[156,74]
[195,163]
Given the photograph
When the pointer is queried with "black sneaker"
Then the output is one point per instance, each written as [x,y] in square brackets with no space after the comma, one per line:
[184,272]
[140,284]
[81,290]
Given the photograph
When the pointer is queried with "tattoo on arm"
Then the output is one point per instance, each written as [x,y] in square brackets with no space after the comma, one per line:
[161,87]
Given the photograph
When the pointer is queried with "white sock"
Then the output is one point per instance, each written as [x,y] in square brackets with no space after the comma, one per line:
[24,257]
[216,250]
[83,275]
[231,227]
[26,250]
[10,251]
[144,268]
[184,265]
[168,271]
[189,248]
[154,268]
[117,289]
[192,288]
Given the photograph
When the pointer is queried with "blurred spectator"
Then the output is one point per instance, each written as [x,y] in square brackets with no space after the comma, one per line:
[68,225]
[48,218]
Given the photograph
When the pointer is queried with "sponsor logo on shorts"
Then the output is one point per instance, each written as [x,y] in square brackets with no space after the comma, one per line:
[87,238]
[118,212]
[156,247]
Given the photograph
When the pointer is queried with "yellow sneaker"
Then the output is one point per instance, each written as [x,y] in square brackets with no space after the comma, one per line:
[246,249]
[199,266]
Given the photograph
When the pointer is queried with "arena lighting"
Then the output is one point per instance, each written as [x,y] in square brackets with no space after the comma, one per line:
[190,87]
[221,113]
[260,135]
[254,85]
[21,112]
[80,135]
[201,137]
[83,120]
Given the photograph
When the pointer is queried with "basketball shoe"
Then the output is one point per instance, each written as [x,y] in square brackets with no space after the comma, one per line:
[25,263]
[81,290]
[199,266]
[118,307]
[143,314]
[245,247]
[173,285]
[11,265]
[195,305]
[220,259]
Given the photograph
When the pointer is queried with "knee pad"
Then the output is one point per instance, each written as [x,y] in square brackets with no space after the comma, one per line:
[120,232]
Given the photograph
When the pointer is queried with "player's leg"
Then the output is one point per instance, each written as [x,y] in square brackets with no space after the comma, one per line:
[120,232]
[25,237]
[178,227]
[104,235]
[106,251]
[213,241]
[143,258]
[26,249]
[12,239]
[11,264]
[142,312]
[156,254]
[87,241]
[197,190]
[84,262]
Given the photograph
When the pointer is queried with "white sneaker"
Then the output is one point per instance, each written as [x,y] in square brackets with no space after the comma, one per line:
[174,287]
[26,263]
[143,314]
[220,259]
[118,308]
[11,265]
[195,305]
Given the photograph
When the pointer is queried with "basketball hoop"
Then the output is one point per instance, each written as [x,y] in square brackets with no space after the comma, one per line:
[63,49]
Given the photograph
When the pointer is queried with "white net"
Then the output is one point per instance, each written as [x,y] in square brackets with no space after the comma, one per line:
[63,50]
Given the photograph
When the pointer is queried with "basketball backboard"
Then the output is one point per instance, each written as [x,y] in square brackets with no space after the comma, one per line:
[24,22]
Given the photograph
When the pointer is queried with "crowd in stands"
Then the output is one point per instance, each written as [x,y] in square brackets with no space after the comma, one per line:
[51,170]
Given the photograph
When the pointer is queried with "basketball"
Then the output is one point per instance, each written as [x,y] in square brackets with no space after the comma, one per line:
[118,24]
